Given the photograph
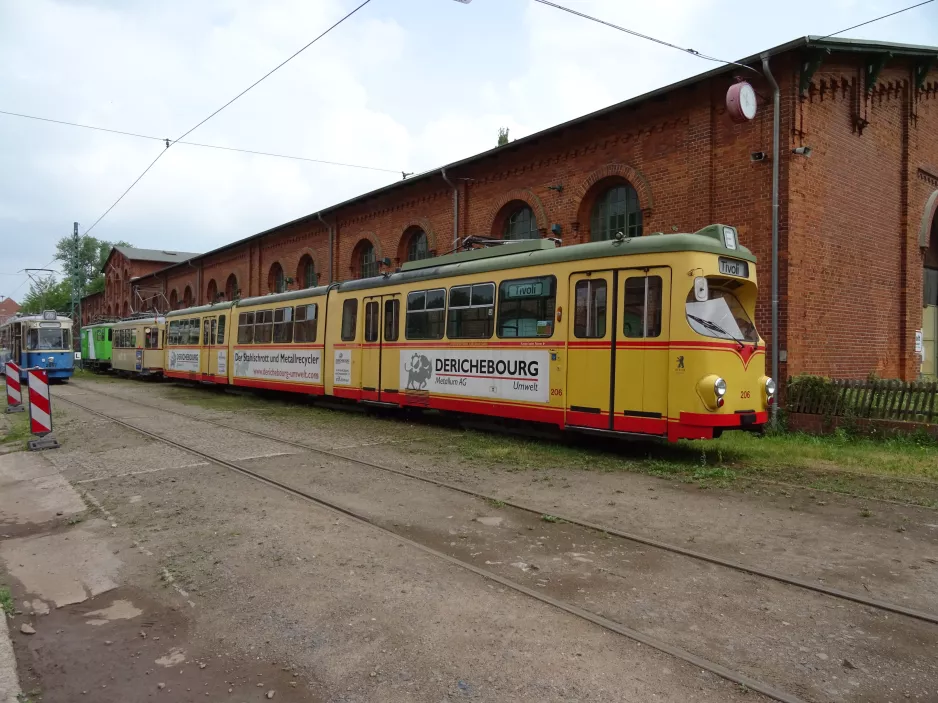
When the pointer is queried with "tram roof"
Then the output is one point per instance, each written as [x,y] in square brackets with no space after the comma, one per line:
[200,309]
[286,295]
[36,318]
[708,240]
[134,321]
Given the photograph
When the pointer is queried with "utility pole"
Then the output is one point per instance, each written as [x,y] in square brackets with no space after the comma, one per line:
[76,283]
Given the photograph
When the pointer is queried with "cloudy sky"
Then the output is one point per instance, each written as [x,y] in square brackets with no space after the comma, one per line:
[405,85]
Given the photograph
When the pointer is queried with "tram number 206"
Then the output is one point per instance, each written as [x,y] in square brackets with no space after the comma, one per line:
[556,391]
[744,394]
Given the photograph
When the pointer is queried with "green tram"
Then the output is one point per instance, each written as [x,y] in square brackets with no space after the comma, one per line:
[96,346]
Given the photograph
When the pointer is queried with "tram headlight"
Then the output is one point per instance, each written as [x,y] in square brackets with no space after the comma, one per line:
[768,385]
[719,387]
[712,390]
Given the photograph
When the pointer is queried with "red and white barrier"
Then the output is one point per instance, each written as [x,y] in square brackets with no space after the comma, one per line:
[40,406]
[14,390]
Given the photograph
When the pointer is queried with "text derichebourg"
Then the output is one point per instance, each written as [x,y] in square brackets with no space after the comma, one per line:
[489,367]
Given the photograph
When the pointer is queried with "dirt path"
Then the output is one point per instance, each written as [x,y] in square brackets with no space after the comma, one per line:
[276,585]
[823,650]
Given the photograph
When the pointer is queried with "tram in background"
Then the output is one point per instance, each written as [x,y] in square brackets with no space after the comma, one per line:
[649,336]
[96,342]
[39,341]
[138,346]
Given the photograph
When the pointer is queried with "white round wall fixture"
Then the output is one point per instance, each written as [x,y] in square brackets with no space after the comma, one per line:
[741,102]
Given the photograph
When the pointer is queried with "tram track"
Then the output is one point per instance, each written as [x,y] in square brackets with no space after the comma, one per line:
[720,670]
[539,511]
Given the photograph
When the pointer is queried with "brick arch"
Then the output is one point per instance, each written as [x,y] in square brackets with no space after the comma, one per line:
[928,217]
[500,211]
[356,251]
[625,172]
[404,242]
[211,291]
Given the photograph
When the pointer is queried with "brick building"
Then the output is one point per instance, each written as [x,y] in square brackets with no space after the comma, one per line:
[123,294]
[8,308]
[856,215]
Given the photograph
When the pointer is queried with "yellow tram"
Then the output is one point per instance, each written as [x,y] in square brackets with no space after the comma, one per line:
[137,345]
[651,336]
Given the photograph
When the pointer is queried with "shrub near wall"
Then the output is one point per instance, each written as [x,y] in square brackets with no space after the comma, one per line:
[819,405]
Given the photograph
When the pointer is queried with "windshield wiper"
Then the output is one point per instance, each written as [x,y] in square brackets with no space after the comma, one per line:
[716,328]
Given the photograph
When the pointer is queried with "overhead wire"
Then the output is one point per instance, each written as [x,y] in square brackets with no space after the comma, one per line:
[877,19]
[267,75]
[206,146]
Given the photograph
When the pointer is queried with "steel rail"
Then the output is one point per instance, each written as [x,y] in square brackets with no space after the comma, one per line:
[640,539]
[611,625]
[632,537]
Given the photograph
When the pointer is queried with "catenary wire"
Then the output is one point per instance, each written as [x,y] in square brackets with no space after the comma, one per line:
[692,52]
[877,19]
[206,146]
[236,97]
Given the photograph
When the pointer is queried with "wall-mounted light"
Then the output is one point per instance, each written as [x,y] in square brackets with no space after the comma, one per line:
[558,187]
[804,151]
[556,230]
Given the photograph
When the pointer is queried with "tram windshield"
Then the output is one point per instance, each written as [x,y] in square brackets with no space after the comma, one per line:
[721,316]
[43,338]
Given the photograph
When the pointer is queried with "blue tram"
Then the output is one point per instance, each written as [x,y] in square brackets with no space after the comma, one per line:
[43,341]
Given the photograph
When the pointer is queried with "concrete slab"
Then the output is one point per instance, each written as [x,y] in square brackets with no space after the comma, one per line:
[9,681]
[22,466]
[63,568]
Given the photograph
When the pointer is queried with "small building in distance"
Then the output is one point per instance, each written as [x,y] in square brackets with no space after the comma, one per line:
[121,297]
[858,178]
[8,308]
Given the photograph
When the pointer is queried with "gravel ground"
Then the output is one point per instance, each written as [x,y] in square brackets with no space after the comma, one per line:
[359,615]
[821,648]
[886,551]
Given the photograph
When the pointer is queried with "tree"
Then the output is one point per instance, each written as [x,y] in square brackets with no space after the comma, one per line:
[48,294]
[87,258]
[502,136]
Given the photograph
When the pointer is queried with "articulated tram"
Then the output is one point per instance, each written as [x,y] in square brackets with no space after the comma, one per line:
[650,336]
[138,346]
[39,341]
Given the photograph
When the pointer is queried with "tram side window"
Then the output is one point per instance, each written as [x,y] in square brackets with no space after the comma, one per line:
[133,338]
[246,328]
[642,314]
[471,311]
[194,331]
[371,321]
[220,335]
[349,319]
[283,325]
[263,326]
[152,339]
[526,307]
[172,337]
[392,319]
[110,334]
[589,321]
[304,329]
[425,314]
[206,332]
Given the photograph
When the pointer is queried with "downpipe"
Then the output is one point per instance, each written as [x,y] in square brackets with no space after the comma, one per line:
[455,209]
[776,157]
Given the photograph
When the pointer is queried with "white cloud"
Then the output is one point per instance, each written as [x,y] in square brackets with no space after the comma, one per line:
[402,85]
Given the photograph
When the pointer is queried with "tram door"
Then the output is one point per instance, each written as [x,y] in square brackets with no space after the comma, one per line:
[379,363]
[589,348]
[640,399]
[209,357]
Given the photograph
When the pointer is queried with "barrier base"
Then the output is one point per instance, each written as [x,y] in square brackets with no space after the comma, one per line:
[14,409]
[47,442]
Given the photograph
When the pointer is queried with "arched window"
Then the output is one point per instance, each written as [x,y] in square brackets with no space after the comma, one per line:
[521,224]
[418,247]
[364,261]
[174,300]
[276,283]
[306,272]
[616,210]
[187,298]
[110,311]
[231,287]
[126,309]
[212,292]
